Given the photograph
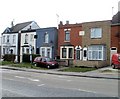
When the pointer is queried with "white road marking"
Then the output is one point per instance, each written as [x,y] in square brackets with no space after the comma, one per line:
[87,91]
[33,79]
[41,85]
[27,78]
[19,77]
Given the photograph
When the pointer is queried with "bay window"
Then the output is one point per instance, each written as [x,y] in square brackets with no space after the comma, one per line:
[67,52]
[96,52]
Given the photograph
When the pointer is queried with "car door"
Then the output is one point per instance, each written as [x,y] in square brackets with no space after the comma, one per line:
[43,62]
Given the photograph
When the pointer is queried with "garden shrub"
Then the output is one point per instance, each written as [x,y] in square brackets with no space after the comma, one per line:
[9,57]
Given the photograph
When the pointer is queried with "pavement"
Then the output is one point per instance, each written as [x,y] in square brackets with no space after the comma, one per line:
[103,73]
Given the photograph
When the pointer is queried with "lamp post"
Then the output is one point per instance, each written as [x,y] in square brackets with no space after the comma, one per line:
[1,48]
[30,48]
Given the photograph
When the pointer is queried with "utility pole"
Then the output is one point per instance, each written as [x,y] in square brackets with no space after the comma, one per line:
[57,20]
[112,11]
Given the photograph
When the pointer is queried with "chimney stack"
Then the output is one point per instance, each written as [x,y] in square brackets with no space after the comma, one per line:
[61,23]
[67,22]
[12,23]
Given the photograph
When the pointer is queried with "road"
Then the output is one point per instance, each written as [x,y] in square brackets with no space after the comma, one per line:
[30,84]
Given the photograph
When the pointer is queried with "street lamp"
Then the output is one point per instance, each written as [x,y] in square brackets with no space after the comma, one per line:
[30,48]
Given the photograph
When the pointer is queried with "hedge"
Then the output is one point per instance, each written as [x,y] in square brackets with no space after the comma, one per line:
[26,57]
[9,57]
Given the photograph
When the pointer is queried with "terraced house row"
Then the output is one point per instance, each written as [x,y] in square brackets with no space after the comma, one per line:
[81,44]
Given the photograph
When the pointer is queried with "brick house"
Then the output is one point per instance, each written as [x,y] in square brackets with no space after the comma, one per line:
[69,41]
[96,41]
[115,34]
[86,44]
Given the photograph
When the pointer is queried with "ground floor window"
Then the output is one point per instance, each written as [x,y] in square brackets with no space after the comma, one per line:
[46,52]
[96,52]
[43,52]
[3,50]
[27,50]
[64,52]
[67,52]
[70,52]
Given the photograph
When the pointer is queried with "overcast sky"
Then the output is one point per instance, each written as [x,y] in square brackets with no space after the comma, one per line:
[44,11]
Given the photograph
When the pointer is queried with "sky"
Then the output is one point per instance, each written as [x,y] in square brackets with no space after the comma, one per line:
[48,13]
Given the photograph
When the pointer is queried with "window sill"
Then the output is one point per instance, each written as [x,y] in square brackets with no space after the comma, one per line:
[97,38]
[67,58]
[96,60]
[66,41]
[25,43]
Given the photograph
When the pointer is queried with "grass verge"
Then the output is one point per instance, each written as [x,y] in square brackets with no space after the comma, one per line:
[29,65]
[21,65]
[78,69]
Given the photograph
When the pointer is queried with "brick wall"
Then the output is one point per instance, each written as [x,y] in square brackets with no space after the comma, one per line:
[115,37]
[106,34]
[75,39]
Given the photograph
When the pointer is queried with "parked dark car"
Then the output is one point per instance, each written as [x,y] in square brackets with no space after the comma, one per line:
[45,62]
[115,61]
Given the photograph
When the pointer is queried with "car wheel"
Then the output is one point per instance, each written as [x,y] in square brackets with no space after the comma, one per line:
[36,64]
[48,67]
[113,66]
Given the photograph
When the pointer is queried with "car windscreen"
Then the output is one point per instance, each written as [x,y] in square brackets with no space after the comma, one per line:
[48,59]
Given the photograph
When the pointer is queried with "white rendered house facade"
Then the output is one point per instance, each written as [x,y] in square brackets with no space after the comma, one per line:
[10,44]
[28,43]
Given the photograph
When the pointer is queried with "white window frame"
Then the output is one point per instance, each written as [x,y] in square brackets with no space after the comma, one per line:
[67,39]
[3,39]
[26,38]
[14,39]
[31,37]
[46,38]
[92,52]
[46,51]
[96,33]
[67,52]
[8,38]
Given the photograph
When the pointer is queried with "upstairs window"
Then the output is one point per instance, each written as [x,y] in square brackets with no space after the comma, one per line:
[67,35]
[46,37]
[26,38]
[31,37]
[3,39]
[14,38]
[96,32]
[8,38]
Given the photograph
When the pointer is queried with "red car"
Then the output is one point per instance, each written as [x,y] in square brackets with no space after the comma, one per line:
[45,62]
[115,61]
